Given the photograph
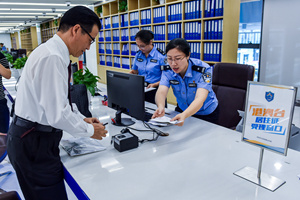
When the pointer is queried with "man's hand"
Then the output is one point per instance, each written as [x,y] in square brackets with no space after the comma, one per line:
[91,120]
[99,131]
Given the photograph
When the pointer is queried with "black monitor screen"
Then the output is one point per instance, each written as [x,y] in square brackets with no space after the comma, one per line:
[125,93]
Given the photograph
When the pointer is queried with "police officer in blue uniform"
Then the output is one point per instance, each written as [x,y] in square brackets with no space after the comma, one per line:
[148,62]
[190,80]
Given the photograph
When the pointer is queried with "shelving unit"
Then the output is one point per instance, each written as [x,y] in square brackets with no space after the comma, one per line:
[29,39]
[48,29]
[114,21]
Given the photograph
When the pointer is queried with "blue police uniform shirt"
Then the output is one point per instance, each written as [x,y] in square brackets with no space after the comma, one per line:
[149,67]
[185,88]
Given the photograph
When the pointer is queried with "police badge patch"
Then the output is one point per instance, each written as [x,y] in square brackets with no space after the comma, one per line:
[269,96]
[207,77]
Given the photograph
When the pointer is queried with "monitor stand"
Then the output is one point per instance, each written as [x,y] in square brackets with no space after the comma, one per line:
[122,121]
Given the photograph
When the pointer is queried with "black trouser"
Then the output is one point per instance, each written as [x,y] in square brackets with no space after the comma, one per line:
[4,116]
[35,158]
[212,117]
[150,96]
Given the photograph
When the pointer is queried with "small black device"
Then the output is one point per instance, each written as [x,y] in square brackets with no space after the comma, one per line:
[125,141]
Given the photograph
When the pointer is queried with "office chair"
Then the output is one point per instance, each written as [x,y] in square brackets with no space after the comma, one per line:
[229,82]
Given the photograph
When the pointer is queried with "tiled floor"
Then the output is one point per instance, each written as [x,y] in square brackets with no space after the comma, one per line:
[10,182]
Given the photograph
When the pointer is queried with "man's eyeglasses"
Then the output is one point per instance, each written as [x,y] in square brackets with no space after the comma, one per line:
[176,60]
[93,39]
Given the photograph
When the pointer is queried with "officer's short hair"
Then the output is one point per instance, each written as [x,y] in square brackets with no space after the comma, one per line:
[79,15]
[180,44]
[145,36]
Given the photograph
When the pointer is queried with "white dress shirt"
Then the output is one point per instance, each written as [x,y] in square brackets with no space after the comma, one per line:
[42,94]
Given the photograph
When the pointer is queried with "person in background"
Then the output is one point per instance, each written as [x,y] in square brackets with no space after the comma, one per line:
[4,111]
[148,62]
[43,108]
[191,82]
[2,47]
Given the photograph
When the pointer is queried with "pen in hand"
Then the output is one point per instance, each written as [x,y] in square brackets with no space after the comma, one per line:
[105,124]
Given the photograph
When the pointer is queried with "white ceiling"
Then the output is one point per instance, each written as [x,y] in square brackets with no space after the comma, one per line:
[18,14]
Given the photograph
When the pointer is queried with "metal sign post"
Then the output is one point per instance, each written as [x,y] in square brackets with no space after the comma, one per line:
[268,117]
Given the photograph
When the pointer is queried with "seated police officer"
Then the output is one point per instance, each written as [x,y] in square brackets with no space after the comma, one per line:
[191,82]
[148,62]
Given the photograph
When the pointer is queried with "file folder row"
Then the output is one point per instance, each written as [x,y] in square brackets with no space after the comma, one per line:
[125,34]
[109,61]
[133,32]
[251,37]
[159,15]
[101,48]
[107,35]
[213,8]
[134,49]
[125,49]
[134,18]
[124,20]
[160,45]
[116,47]
[159,32]
[101,36]
[102,60]
[195,49]
[101,21]
[175,12]
[117,62]
[146,28]
[107,22]
[115,21]
[108,48]
[213,51]
[192,31]
[174,31]
[125,63]
[116,35]
[193,9]
[146,17]
[213,29]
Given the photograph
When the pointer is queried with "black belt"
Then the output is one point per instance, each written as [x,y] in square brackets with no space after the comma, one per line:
[29,124]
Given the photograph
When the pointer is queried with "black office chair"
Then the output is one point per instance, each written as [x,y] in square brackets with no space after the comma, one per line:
[229,82]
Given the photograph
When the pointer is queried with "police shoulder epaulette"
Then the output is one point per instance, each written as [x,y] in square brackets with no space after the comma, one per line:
[198,68]
[165,67]
[138,51]
[161,51]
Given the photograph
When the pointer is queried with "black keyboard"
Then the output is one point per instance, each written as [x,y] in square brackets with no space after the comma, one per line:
[147,116]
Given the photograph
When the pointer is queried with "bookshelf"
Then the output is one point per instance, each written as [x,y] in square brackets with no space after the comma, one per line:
[29,39]
[48,29]
[185,22]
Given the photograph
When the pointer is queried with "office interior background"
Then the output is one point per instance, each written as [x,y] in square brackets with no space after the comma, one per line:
[268,35]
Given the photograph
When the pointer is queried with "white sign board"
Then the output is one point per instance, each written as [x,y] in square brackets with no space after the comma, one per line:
[268,115]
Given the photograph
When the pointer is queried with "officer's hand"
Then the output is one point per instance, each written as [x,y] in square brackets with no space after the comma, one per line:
[91,120]
[160,112]
[151,85]
[180,117]
[99,131]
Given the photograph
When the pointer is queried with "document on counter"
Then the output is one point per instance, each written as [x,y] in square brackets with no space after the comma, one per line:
[163,121]
[149,89]
[82,145]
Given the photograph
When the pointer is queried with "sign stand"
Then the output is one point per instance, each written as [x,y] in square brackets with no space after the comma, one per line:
[259,178]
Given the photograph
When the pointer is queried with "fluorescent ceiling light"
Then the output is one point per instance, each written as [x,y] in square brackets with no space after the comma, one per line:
[29,16]
[32,9]
[37,4]
[27,13]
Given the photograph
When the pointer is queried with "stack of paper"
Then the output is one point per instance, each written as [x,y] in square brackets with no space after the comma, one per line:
[163,121]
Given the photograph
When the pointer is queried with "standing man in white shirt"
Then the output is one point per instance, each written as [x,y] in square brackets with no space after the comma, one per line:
[43,108]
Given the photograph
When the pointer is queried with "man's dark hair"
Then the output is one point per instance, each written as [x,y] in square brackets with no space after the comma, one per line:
[180,44]
[145,36]
[81,15]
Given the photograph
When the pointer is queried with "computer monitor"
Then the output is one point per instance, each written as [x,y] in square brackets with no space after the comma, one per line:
[125,93]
